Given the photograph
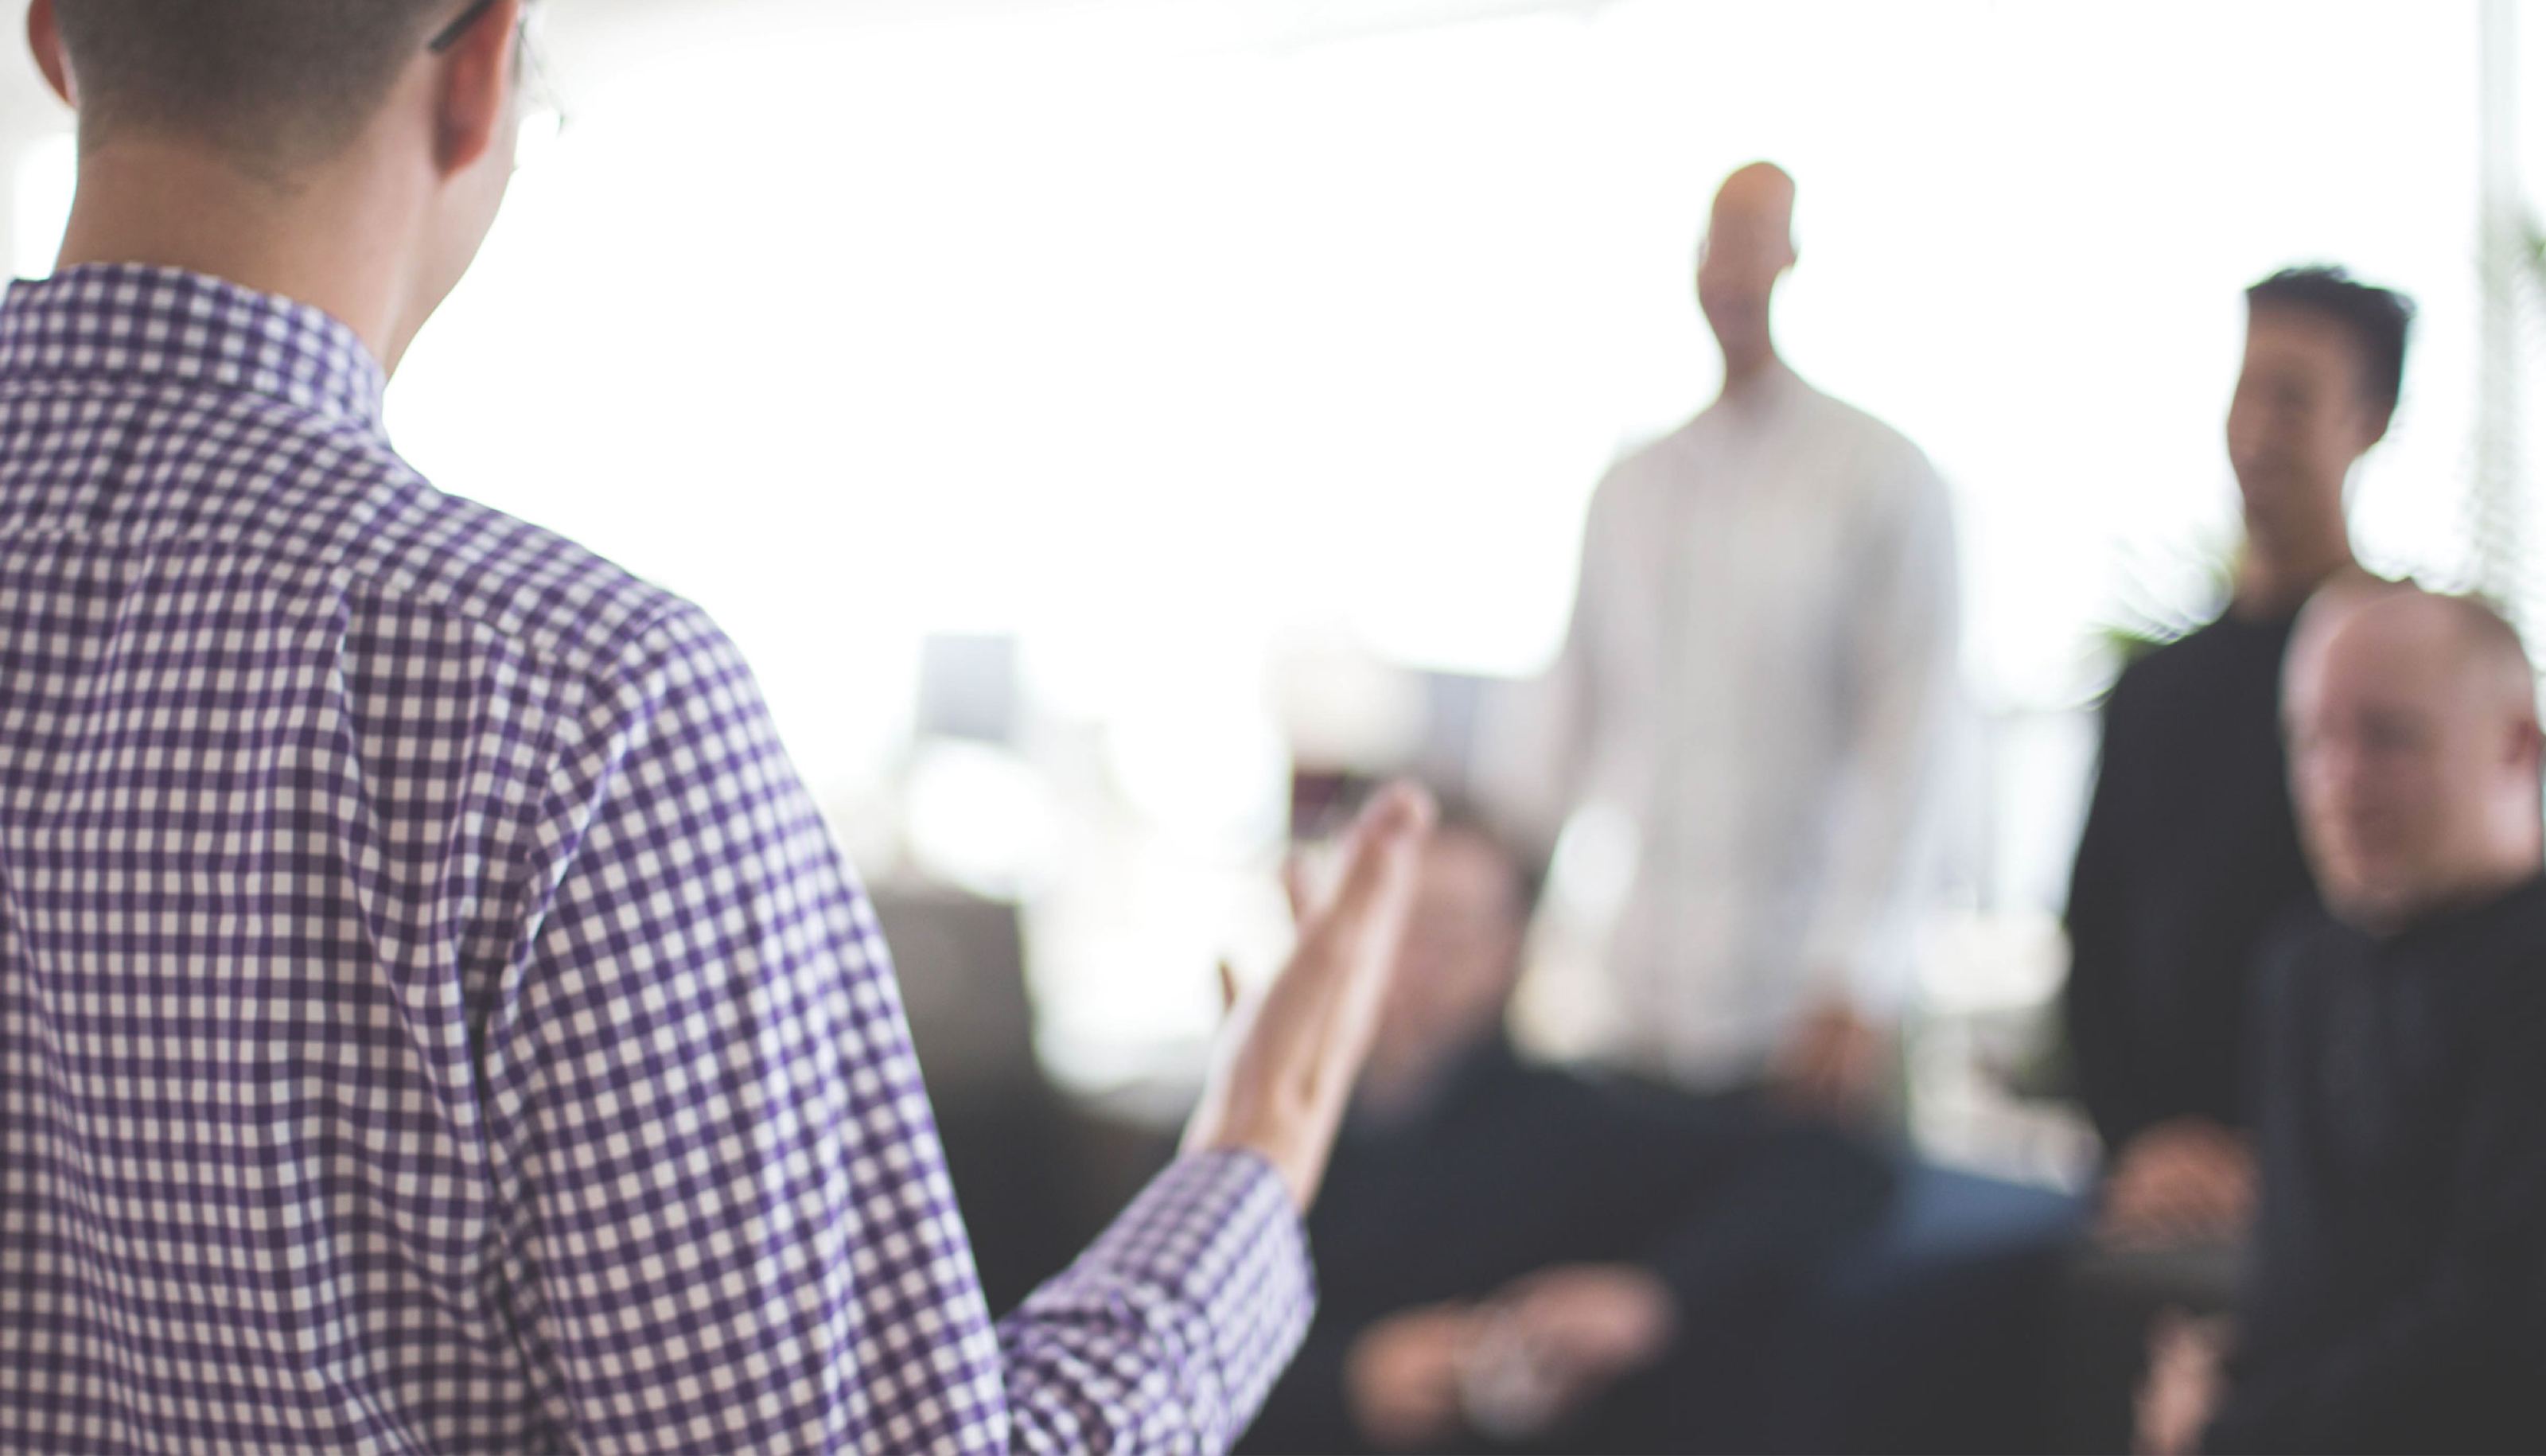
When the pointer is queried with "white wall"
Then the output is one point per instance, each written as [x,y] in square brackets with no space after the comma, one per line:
[1162,334]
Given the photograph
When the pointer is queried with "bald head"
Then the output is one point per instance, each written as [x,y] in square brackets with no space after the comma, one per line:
[1759,196]
[2413,752]
[1750,245]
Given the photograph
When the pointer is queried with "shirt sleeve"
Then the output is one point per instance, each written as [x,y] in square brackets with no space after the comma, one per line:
[2095,1005]
[1886,824]
[1169,1332]
[728,1225]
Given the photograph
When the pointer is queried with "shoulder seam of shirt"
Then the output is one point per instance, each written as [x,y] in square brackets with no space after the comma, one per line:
[376,567]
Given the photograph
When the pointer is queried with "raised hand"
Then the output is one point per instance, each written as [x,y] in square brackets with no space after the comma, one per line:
[1288,1059]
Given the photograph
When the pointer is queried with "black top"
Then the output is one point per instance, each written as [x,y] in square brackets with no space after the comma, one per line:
[1515,1169]
[2398,1294]
[2189,852]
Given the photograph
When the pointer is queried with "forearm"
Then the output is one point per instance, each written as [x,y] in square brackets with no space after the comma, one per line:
[1886,821]
[2102,1052]
[2094,1011]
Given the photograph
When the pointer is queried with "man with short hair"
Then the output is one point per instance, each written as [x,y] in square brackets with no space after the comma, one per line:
[431,1014]
[2190,850]
[2398,1297]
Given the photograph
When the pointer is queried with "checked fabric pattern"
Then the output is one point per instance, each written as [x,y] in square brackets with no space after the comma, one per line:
[432,1014]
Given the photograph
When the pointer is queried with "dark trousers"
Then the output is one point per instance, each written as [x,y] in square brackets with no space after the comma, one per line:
[1933,1334]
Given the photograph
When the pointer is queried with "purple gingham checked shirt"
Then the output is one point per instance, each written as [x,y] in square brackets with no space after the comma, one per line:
[432,1015]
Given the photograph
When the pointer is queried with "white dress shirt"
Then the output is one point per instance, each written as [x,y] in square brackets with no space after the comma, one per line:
[1761,674]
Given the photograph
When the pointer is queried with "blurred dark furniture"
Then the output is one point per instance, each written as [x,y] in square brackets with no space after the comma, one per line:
[1035,1175]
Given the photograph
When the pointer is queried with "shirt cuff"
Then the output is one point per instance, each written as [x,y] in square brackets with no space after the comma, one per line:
[1212,1263]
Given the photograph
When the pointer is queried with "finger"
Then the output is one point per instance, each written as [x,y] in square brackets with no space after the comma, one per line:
[2173,1222]
[2126,1199]
[1313,881]
[1228,989]
[1398,814]
[2210,1201]
[1372,893]
[1295,889]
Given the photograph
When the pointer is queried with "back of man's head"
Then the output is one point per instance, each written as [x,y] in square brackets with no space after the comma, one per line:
[277,82]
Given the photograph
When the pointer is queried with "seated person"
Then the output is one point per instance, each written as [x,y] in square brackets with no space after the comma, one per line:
[1507,1254]
[2397,1300]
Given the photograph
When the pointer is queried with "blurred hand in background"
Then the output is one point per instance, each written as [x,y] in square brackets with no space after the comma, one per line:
[2185,1181]
[1832,1065]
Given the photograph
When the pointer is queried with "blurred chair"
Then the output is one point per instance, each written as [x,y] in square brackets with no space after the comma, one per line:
[961,961]
[961,964]
[1036,1176]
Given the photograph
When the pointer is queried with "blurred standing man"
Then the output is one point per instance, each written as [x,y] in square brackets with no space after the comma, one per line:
[1761,673]
[431,1014]
[2190,848]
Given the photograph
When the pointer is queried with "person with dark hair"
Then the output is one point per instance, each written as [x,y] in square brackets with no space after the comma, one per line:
[1514,1255]
[2398,1295]
[435,1016]
[2189,849]
[2377,319]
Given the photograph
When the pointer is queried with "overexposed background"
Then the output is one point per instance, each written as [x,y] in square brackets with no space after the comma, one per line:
[1224,358]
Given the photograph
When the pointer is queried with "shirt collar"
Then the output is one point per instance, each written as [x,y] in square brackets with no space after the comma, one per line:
[1763,404]
[129,321]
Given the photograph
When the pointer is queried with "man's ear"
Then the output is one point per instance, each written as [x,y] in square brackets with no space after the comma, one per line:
[473,88]
[44,37]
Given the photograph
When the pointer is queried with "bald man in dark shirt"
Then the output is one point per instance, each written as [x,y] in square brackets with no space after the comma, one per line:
[2397,1300]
